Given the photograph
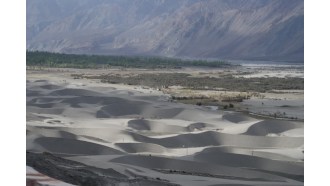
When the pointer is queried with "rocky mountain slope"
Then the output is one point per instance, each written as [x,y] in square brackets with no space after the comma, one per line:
[225,29]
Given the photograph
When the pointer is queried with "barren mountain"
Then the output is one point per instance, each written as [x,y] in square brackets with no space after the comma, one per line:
[225,29]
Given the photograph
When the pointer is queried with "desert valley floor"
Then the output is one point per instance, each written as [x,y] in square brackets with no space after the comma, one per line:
[113,134]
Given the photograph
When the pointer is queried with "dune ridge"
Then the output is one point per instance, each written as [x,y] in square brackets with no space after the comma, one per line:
[141,133]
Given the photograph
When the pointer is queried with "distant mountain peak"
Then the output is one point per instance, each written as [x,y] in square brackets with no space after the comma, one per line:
[225,29]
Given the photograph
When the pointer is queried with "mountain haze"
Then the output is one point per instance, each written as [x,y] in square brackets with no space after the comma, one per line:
[225,29]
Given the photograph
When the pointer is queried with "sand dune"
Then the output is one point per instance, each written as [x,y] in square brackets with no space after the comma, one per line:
[271,126]
[45,110]
[208,116]
[105,134]
[141,147]
[155,126]
[212,138]
[43,105]
[120,109]
[139,108]
[271,154]
[237,117]
[198,126]
[140,133]
[33,93]
[72,146]
[189,166]
[34,117]
[50,87]
[178,177]
[165,127]
[41,81]
[44,100]
[213,155]
[74,92]
[298,132]
[125,92]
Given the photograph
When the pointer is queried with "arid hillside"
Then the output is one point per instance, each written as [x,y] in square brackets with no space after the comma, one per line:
[226,29]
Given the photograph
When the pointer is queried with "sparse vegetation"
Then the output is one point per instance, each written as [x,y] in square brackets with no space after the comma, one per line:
[227,82]
[192,87]
[47,59]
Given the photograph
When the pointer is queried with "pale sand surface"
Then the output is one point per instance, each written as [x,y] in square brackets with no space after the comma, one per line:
[137,131]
